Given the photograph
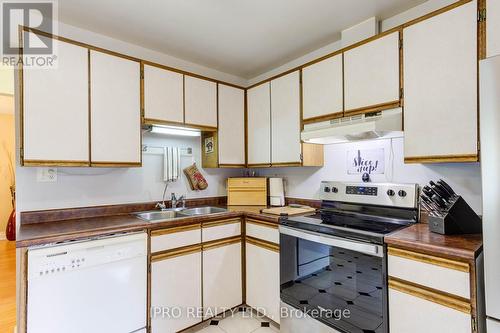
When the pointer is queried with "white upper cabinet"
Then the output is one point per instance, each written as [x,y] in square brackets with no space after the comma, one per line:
[440,87]
[231,125]
[115,110]
[200,102]
[163,95]
[371,73]
[285,119]
[492,28]
[259,124]
[322,88]
[56,109]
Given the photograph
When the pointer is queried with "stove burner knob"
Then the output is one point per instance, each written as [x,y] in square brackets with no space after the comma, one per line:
[327,189]
[402,193]
[390,193]
[335,190]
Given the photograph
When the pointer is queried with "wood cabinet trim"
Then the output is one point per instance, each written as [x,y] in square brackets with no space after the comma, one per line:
[325,117]
[116,164]
[221,242]
[435,13]
[373,108]
[442,158]
[259,165]
[173,230]
[21,98]
[429,259]
[151,121]
[262,243]
[232,165]
[286,164]
[28,163]
[431,295]
[262,223]
[177,252]
[180,71]
[343,50]
[380,35]
[121,55]
[481,31]
[210,224]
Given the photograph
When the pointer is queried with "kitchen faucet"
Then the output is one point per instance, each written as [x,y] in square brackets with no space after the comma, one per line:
[174,200]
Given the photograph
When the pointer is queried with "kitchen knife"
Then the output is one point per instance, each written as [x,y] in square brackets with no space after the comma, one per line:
[439,201]
[442,192]
[437,193]
[429,202]
[447,187]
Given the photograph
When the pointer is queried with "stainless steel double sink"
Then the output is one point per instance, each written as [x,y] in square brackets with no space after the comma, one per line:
[175,213]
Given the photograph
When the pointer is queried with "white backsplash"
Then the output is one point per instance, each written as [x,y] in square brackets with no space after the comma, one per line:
[465,178]
[80,187]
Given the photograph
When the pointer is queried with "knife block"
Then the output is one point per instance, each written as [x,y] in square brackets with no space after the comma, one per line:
[457,219]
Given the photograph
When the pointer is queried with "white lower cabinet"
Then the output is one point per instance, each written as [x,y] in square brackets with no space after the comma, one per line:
[263,285]
[410,314]
[222,280]
[492,326]
[175,292]
[431,294]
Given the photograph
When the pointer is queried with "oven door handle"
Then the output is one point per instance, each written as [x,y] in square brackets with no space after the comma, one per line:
[367,248]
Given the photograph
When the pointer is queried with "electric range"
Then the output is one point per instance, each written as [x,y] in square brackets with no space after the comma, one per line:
[333,265]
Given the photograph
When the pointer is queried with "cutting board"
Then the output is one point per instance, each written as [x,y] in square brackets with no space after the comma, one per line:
[287,210]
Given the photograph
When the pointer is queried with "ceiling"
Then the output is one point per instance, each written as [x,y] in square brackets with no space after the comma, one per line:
[241,37]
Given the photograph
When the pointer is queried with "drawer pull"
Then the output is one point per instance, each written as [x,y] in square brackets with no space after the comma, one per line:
[428,259]
[440,297]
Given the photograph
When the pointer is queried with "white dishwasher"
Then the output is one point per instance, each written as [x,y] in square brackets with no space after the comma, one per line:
[97,285]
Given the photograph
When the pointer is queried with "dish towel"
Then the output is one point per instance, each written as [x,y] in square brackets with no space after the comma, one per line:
[195,178]
[171,164]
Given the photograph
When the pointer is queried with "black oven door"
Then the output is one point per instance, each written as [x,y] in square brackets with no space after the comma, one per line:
[338,281]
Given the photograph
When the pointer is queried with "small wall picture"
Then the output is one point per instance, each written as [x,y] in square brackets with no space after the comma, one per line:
[371,161]
[209,145]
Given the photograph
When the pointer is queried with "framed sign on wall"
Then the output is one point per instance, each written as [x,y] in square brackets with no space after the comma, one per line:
[371,161]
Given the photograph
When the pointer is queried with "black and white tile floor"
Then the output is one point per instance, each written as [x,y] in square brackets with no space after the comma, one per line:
[243,321]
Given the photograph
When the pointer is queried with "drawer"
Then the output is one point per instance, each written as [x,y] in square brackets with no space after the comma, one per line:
[246,198]
[263,230]
[260,183]
[434,272]
[432,313]
[221,229]
[167,239]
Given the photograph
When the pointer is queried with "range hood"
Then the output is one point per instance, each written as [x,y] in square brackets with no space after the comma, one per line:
[378,125]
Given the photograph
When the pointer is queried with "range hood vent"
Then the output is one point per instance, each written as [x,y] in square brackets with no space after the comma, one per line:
[377,125]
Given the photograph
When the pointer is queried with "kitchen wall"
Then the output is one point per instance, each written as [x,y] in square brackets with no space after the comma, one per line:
[80,187]
[465,178]
[304,182]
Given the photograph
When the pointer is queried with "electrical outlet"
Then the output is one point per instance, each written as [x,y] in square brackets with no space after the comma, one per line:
[46,175]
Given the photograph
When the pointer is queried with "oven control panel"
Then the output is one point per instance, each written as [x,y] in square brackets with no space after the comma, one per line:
[384,194]
[361,190]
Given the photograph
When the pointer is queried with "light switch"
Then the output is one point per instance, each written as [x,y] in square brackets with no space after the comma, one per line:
[46,175]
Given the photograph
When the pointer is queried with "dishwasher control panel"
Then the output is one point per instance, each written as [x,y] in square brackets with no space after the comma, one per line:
[59,263]
[64,258]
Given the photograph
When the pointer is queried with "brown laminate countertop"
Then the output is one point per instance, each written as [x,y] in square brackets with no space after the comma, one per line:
[418,238]
[72,229]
